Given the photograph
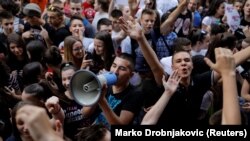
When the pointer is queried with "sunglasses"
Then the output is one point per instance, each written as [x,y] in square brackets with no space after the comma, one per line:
[52,8]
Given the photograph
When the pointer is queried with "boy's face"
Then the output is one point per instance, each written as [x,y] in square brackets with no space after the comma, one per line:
[54,19]
[115,24]
[75,9]
[76,27]
[147,22]
[7,25]
[121,67]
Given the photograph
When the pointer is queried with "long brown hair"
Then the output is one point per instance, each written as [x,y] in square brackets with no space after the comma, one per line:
[68,48]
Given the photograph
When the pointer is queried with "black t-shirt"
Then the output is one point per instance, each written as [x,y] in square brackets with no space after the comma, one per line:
[184,105]
[36,31]
[3,44]
[239,32]
[183,24]
[73,118]
[99,63]
[131,99]
[59,35]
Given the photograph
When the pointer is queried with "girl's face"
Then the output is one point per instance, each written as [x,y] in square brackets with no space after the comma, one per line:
[246,8]
[66,76]
[205,42]
[126,12]
[77,50]
[23,129]
[16,50]
[221,9]
[99,46]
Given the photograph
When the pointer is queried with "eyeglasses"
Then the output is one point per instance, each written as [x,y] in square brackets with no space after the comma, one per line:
[78,49]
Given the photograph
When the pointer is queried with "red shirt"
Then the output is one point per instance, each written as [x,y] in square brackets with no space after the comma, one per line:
[88,11]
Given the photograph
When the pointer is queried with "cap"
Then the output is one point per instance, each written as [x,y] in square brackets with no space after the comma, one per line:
[31,10]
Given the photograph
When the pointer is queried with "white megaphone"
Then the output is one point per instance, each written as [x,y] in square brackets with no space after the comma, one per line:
[86,87]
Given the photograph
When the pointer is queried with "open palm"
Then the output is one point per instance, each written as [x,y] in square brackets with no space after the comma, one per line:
[131,28]
[172,83]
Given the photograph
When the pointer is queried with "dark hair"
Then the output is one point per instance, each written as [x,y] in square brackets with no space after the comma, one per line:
[5,15]
[31,72]
[148,11]
[103,21]
[4,74]
[197,35]
[116,13]
[53,56]
[199,65]
[36,91]
[216,29]
[109,51]
[226,40]
[92,133]
[15,38]
[179,43]
[67,66]
[75,17]
[36,49]
[213,6]
[129,58]
[104,5]
[10,6]
[11,58]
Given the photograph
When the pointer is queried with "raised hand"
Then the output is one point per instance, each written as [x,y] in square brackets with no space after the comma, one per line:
[172,83]
[50,81]
[131,28]
[86,63]
[37,122]
[44,33]
[225,62]
[52,104]
[10,91]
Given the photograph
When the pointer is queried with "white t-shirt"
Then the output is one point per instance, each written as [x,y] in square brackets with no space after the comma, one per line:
[125,44]
[201,52]
[166,5]
[97,17]
[208,20]
[166,62]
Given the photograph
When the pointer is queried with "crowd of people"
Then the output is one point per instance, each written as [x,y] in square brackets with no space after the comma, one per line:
[178,63]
